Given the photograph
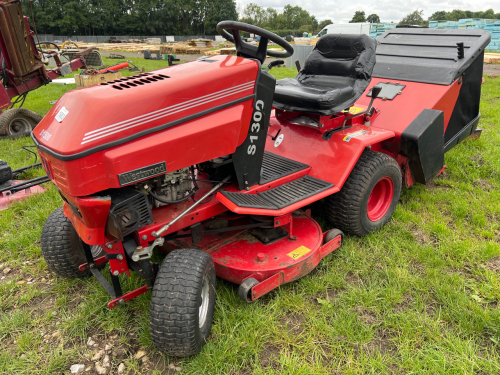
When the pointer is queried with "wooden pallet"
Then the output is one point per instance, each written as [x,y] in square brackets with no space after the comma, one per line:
[228,51]
[492,58]
[86,80]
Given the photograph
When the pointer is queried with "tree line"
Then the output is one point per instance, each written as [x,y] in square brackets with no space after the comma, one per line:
[292,18]
[191,17]
[129,17]
[417,17]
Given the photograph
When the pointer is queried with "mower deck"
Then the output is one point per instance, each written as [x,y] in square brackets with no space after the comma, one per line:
[6,198]
[243,254]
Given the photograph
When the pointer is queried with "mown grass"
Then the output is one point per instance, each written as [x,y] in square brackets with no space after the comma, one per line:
[418,297]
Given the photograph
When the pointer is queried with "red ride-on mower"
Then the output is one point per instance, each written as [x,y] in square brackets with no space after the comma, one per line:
[193,160]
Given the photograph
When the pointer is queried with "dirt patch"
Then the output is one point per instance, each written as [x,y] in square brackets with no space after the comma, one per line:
[430,308]
[352,279]
[404,305]
[492,70]
[494,100]
[41,304]
[268,357]
[443,176]
[366,316]
[380,344]
[294,323]
[421,237]
[483,185]
[9,273]
[332,294]
[431,185]
[478,159]
[494,264]
[417,268]
[107,351]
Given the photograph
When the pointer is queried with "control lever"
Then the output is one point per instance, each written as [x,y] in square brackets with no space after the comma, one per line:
[171,59]
[297,65]
[274,63]
[276,136]
[375,93]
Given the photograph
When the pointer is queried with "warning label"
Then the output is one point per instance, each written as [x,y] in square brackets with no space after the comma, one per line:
[299,252]
[354,110]
[348,137]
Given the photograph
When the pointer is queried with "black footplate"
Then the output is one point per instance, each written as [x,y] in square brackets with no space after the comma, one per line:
[281,196]
[275,166]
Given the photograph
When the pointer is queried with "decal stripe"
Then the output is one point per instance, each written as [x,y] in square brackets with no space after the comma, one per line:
[163,112]
[139,134]
[151,114]
[172,111]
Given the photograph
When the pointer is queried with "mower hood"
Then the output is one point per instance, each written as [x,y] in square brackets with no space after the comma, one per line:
[91,119]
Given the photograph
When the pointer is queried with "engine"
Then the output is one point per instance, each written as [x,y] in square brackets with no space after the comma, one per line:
[170,187]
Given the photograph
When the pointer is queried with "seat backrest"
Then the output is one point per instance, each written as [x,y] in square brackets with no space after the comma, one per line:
[341,55]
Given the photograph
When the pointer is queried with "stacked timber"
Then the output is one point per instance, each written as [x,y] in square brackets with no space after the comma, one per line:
[492,58]
[200,43]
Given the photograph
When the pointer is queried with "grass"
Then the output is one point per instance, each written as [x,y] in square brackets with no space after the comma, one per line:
[421,296]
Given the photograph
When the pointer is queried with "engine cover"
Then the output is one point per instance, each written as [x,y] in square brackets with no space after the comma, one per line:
[182,115]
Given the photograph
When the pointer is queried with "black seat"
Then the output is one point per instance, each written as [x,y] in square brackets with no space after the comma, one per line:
[334,76]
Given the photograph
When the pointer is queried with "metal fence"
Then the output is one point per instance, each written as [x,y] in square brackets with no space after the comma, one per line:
[301,52]
[105,38]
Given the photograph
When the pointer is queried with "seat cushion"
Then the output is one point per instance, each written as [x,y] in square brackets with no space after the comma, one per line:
[334,76]
[313,97]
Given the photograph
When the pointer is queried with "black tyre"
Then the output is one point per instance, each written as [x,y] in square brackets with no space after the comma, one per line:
[18,121]
[245,289]
[369,197]
[62,248]
[332,233]
[182,303]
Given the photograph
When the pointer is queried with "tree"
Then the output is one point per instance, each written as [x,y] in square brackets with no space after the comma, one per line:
[272,18]
[254,14]
[295,17]
[359,16]
[219,10]
[414,18]
[441,15]
[373,18]
[324,23]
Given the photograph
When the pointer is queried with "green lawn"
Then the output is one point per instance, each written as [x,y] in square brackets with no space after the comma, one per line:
[418,297]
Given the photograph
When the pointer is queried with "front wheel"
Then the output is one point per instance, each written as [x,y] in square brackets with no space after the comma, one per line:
[183,302]
[369,197]
[62,249]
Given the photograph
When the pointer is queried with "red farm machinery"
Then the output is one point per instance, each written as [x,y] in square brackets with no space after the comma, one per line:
[216,163]
[22,69]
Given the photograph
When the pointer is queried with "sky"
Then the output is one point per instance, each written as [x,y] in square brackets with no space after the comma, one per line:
[341,11]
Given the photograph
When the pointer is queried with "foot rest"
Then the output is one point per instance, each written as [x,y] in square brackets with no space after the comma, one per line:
[275,166]
[281,196]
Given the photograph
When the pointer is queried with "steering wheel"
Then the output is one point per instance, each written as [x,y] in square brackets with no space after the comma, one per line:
[39,45]
[245,49]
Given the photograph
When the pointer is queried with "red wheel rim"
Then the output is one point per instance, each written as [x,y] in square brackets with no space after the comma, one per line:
[380,199]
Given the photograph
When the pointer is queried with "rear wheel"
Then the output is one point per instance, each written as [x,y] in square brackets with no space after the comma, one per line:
[62,249]
[183,302]
[369,197]
[18,121]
